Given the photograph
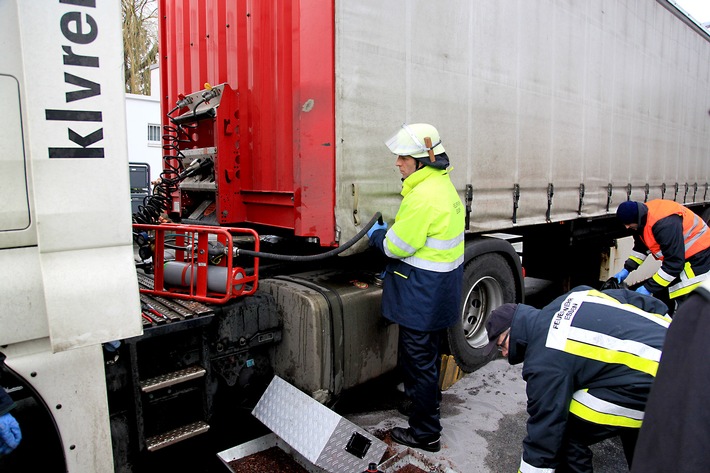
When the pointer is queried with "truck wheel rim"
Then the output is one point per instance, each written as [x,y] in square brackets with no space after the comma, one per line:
[485,295]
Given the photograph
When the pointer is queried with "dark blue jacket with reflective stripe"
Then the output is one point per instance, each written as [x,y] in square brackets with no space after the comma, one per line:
[594,346]
[419,299]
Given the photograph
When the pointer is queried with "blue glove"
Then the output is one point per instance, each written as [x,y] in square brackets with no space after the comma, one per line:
[644,291]
[621,275]
[10,434]
[375,227]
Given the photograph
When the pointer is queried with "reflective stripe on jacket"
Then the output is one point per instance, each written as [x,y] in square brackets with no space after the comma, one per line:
[589,353]
[526,468]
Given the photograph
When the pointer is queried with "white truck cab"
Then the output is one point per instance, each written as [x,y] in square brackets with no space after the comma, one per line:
[67,283]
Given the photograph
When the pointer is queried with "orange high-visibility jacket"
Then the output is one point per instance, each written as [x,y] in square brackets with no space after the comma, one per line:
[696,234]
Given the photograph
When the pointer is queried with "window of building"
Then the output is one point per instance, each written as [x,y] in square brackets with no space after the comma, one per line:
[153,134]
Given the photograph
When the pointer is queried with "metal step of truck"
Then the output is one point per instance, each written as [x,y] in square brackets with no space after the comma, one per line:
[170,379]
[177,435]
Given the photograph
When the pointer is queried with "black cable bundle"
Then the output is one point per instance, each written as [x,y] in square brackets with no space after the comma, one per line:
[159,201]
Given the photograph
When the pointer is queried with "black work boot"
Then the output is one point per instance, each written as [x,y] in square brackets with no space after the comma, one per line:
[406,437]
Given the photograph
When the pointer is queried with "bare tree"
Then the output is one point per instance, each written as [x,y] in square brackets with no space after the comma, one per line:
[140,43]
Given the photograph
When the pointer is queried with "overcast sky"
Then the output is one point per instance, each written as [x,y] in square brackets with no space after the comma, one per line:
[698,9]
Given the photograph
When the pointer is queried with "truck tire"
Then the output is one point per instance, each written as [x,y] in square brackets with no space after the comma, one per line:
[488,282]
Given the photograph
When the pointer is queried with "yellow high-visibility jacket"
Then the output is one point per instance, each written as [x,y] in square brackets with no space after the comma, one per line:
[422,285]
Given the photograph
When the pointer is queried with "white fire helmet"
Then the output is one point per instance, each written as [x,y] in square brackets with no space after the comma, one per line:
[410,140]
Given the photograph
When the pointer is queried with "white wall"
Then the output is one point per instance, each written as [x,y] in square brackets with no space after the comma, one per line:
[142,110]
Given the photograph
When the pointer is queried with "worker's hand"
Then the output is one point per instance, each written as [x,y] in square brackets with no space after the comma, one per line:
[644,291]
[10,434]
[621,275]
[375,227]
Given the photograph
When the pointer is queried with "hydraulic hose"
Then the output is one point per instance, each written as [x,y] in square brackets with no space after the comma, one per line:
[302,258]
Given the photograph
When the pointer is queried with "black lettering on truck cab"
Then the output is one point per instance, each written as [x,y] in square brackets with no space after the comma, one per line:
[81,29]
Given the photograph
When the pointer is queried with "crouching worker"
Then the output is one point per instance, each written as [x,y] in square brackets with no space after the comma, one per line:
[590,358]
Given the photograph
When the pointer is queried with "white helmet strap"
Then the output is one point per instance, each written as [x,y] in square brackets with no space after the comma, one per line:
[429,147]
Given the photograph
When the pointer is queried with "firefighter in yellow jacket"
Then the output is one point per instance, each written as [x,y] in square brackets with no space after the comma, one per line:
[424,276]
[672,233]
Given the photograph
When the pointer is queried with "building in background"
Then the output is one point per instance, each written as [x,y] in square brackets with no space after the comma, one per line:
[143,127]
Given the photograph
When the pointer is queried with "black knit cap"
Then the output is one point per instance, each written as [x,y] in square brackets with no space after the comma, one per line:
[628,212]
[498,322]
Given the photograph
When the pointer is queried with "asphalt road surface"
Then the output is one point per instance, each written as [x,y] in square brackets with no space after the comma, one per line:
[483,417]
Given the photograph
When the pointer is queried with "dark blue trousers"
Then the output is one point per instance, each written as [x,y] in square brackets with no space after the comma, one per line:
[420,362]
[576,456]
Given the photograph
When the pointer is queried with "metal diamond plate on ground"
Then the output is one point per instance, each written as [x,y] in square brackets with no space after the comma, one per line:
[336,458]
[301,421]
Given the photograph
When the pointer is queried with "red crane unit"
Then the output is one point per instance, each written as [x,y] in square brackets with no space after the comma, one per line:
[273,133]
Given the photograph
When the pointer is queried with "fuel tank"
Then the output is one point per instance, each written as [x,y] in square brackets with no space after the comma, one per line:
[333,337]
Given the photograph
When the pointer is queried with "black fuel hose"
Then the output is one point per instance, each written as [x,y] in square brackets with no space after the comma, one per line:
[300,258]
